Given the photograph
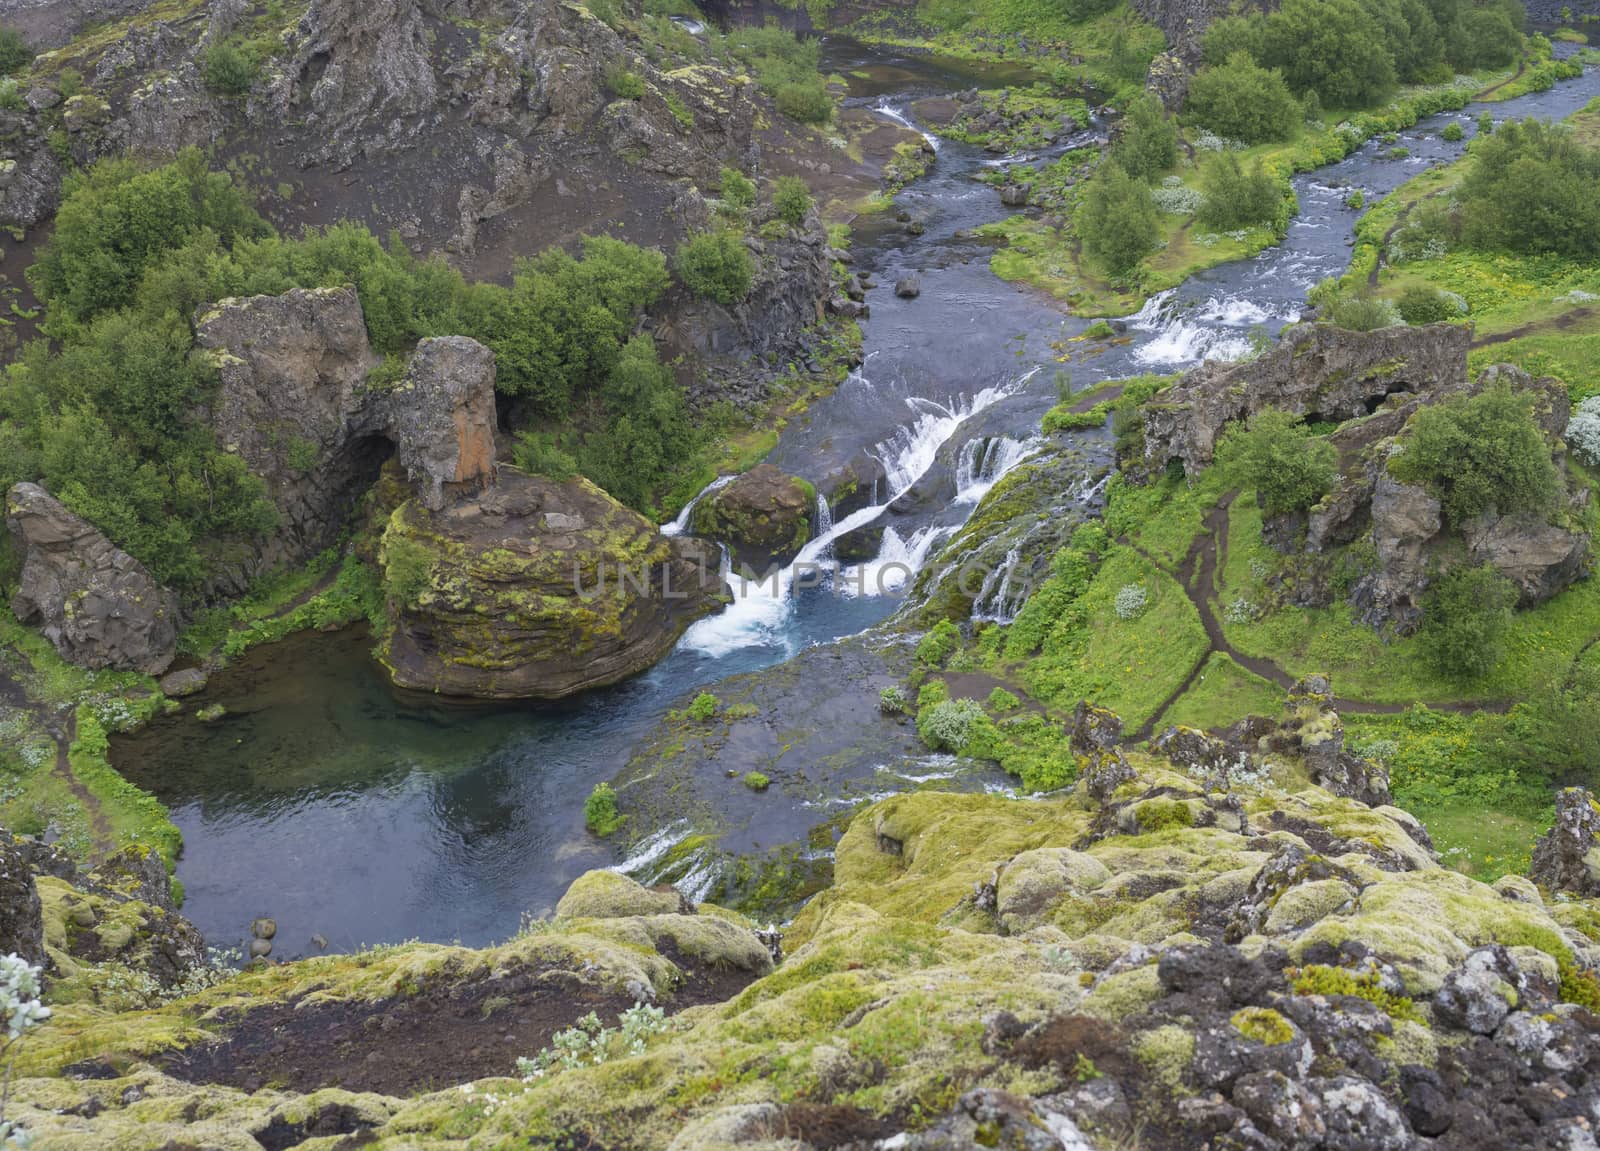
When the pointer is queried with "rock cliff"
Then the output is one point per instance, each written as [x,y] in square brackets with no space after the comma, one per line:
[98,605]
[536,590]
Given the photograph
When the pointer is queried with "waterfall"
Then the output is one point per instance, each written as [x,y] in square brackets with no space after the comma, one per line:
[1210,331]
[761,607]
[992,601]
[899,117]
[897,563]
[984,462]
[681,524]
[822,522]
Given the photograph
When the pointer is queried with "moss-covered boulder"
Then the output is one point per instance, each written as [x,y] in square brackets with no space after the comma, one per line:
[764,517]
[536,590]
[608,895]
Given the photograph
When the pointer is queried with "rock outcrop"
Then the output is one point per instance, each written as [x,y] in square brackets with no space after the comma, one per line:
[294,402]
[537,590]
[1565,858]
[1317,371]
[21,921]
[764,517]
[98,605]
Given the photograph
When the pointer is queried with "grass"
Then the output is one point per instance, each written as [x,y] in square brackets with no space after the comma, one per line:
[1222,693]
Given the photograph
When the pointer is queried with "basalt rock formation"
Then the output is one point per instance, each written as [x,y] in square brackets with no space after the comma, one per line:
[98,605]
[1318,371]
[1565,858]
[764,517]
[536,590]
[293,401]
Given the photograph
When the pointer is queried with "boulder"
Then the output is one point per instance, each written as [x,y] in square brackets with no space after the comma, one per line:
[1315,370]
[764,517]
[94,602]
[536,590]
[295,402]
[1033,882]
[1565,859]
[21,920]
[908,287]
[178,684]
[1015,195]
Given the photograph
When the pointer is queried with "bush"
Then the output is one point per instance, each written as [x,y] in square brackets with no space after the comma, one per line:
[229,69]
[1583,431]
[1149,143]
[1355,200]
[1533,188]
[892,700]
[1236,198]
[539,455]
[949,724]
[600,814]
[1421,304]
[1240,100]
[623,84]
[1289,468]
[1117,220]
[703,708]
[1453,132]
[807,102]
[715,265]
[791,200]
[1352,310]
[1465,617]
[756,781]
[1478,454]
[738,190]
[15,55]
[1332,47]
[938,644]
[1002,700]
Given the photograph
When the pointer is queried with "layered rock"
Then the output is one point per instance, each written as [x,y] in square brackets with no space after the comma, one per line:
[764,517]
[536,590]
[293,402]
[94,602]
[1318,371]
[1565,858]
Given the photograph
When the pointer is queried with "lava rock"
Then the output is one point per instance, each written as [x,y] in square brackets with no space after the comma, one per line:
[908,287]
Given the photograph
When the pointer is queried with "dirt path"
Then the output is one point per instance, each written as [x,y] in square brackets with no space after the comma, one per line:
[64,728]
[1555,324]
[1101,396]
[1493,88]
[1197,575]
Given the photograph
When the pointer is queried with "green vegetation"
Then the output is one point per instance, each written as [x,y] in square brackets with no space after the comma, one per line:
[738,190]
[1533,188]
[14,54]
[703,708]
[1453,132]
[791,200]
[600,813]
[786,68]
[1479,454]
[1289,468]
[1149,142]
[715,265]
[1317,979]
[230,68]
[1465,619]
[1240,100]
[1236,197]
[623,84]
[756,781]
[1117,220]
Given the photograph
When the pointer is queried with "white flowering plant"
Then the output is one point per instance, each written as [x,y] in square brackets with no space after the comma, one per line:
[1131,600]
[590,1044]
[1583,431]
[22,1011]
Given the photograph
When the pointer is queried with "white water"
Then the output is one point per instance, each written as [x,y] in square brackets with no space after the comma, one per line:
[904,121]
[762,607]
[680,525]
[651,849]
[1210,331]
[984,462]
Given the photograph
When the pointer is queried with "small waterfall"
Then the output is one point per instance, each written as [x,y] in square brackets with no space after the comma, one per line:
[897,563]
[1209,332]
[899,117]
[985,461]
[761,607]
[681,524]
[992,601]
[822,521]
[652,848]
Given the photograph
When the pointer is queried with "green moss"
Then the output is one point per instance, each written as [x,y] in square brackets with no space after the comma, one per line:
[1318,979]
[756,781]
[1262,1025]
[1166,1053]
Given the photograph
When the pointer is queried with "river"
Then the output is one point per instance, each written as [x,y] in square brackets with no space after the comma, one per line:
[351,813]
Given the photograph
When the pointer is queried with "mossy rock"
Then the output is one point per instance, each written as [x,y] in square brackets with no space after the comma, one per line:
[608,895]
[764,517]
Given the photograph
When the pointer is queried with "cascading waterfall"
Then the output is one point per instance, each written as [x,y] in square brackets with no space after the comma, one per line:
[761,607]
[984,462]
[681,524]
[899,117]
[1211,331]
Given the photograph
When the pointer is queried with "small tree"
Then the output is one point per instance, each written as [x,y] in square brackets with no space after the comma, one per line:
[738,190]
[229,69]
[1241,100]
[791,200]
[1149,143]
[1465,616]
[1420,304]
[14,53]
[1277,455]
[1479,454]
[807,102]
[1117,220]
[1236,198]
[715,265]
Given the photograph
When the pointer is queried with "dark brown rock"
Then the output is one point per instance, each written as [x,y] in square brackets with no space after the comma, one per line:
[764,516]
[98,605]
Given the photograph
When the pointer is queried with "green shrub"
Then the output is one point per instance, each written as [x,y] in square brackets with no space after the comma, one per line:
[738,190]
[1465,617]
[1117,220]
[756,781]
[1479,454]
[1289,468]
[892,700]
[1353,310]
[407,569]
[1533,188]
[1236,198]
[11,98]
[681,112]
[1355,200]
[1333,47]
[1240,100]
[229,69]
[807,102]
[715,265]
[600,813]
[1002,700]
[938,644]
[791,200]
[15,55]
[539,455]
[949,724]
[703,708]
[1453,132]
[1149,142]
[623,84]
[1421,304]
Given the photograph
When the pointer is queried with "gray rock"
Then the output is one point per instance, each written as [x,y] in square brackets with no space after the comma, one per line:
[1015,195]
[21,915]
[909,287]
[1478,995]
[188,681]
[1358,1118]
[94,602]
[1565,859]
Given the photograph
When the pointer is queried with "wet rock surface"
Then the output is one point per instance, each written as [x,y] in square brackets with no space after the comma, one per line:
[764,517]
